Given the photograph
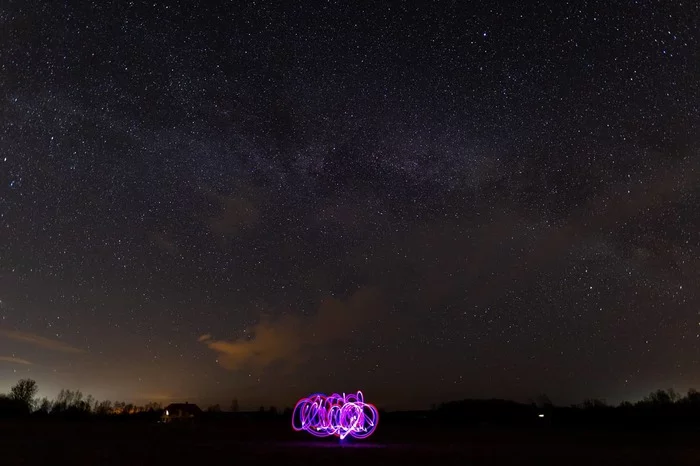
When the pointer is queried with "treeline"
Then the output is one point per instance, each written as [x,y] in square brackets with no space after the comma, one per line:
[661,408]
[22,401]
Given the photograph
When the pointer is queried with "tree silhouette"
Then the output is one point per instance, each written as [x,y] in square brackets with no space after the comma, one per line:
[153,406]
[10,407]
[593,403]
[234,406]
[24,392]
[89,403]
[661,397]
[693,397]
[43,406]
[103,408]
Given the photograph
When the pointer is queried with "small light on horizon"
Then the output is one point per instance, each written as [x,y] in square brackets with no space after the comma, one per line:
[540,415]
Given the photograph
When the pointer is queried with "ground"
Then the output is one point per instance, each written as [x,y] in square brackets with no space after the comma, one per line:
[247,442]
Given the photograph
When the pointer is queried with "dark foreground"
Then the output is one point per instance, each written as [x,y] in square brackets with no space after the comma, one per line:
[126,443]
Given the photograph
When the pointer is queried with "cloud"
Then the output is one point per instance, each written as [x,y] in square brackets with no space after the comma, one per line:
[39,341]
[14,360]
[204,337]
[290,340]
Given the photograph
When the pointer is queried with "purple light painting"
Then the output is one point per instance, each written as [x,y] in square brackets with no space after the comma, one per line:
[339,415]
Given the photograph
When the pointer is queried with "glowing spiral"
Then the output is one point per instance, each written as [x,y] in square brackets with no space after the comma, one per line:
[339,415]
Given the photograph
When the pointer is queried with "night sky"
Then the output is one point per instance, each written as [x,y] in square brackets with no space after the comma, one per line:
[423,201]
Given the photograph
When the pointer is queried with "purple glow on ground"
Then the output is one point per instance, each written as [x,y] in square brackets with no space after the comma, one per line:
[339,415]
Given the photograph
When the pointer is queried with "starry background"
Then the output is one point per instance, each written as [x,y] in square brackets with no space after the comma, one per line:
[427,201]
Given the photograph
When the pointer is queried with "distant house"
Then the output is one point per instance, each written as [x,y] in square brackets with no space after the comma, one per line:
[180,412]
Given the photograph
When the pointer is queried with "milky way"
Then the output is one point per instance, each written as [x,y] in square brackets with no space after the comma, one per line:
[425,202]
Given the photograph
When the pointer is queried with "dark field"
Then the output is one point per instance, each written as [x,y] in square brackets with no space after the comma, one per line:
[254,442]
